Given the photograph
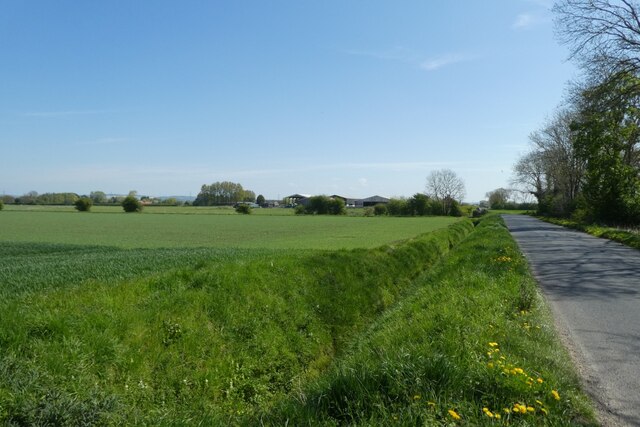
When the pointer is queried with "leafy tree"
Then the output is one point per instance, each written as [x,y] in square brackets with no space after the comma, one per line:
[243,208]
[498,198]
[83,204]
[397,207]
[223,193]
[8,199]
[98,197]
[131,204]
[380,209]
[336,207]
[260,200]
[419,205]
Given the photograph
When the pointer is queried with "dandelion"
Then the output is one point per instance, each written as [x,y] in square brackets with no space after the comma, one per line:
[430,403]
[454,414]
[506,410]
[416,397]
[498,416]
[531,409]
[487,412]
[540,380]
[490,365]
[555,394]
[493,344]
[544,411]
[539,402]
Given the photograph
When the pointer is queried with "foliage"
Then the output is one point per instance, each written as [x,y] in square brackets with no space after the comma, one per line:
[209,345]
[1,205]
[300,210]
[323,205]
[243,208]
[607,136]
[380,209]
[83,204]
[223,193]
[397,207]
[131,204]
[98,197]
[260,200]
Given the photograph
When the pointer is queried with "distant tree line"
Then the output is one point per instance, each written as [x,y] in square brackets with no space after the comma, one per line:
[584,161]
[223,193]
[321,205]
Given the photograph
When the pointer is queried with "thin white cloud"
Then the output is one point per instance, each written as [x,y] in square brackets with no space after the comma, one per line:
[411,56]
[396,53]
[438,62]
[524,20]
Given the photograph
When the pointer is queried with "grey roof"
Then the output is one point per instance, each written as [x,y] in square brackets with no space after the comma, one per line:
[374,199]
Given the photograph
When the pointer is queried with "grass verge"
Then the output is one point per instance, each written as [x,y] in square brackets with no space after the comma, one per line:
[475,345]
[627,238]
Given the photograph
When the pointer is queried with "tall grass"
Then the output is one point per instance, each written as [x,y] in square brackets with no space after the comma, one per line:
[209,343]
[475,345]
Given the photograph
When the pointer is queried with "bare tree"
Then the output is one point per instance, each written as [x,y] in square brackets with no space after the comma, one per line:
[530,176]
[603,35]
[445,187]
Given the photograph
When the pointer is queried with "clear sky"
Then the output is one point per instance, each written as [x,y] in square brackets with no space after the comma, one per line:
[354,97]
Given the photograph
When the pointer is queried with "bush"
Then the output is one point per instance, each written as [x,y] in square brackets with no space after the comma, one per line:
[131,204]
[300,210]
[380,209]
[336,207]
[397,207]
[368,211]
[1,205]
[83,204]
[243,208]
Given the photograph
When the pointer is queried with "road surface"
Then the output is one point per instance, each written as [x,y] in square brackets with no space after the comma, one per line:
[593,287]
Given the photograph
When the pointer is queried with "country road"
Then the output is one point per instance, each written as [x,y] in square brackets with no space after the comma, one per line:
[593,287]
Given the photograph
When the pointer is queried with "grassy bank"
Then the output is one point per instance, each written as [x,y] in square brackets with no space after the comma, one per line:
[626,237]
[212,343]
[475,345]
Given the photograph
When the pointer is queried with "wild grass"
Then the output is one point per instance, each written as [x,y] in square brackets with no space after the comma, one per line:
[213,343]
[474,345]
[214,231]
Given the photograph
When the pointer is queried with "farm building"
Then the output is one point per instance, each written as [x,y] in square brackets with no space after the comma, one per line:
[371,201]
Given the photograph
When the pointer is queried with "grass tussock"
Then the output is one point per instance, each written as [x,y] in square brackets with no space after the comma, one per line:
[210,343]
[474,345]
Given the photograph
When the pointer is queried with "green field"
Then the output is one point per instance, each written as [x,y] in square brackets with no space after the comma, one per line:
[62,225]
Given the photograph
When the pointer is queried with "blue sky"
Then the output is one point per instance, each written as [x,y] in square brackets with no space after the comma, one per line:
[321,97]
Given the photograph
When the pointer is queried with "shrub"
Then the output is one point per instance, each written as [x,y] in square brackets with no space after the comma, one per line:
[1,205]
[336,207]
[380,209]
[397,207]
[300,210]
[243,208]
[368,211]
[131,204]
[83,204]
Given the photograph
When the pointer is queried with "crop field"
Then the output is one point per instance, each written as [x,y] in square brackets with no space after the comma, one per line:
[402,329]
[172,230]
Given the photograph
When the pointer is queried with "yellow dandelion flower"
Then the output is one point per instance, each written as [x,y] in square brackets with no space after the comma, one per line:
[490,365]
[544,411]
[519,370]
[540,380]
[539,402]
[493,344]
[498,416]
[531,409]
[555,394]
[506,410]
[454,414]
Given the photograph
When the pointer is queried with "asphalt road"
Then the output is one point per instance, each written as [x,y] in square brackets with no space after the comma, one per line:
[593,287]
